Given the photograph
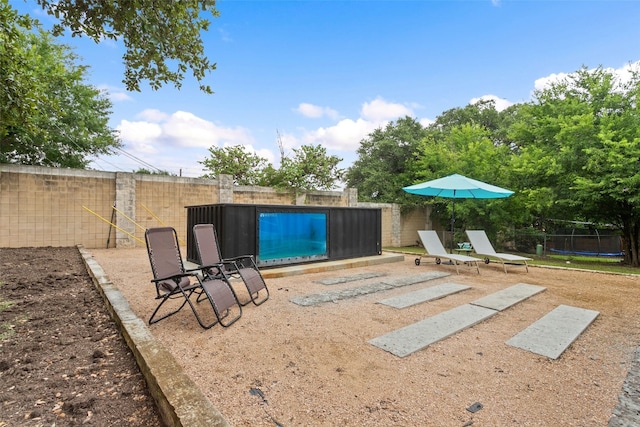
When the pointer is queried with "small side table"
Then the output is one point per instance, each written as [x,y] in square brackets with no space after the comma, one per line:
[463,251]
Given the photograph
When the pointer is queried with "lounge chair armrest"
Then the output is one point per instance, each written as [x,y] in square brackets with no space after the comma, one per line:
[206,267]
[176,276]
[245,261]
[207,270]
[239,258]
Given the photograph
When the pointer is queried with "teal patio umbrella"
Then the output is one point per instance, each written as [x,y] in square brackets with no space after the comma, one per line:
[457,187]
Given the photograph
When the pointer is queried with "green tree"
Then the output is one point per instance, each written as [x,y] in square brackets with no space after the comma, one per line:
[466,149]
[247,168]
[483,114]
[20,91]
[162,38]
[311,168]
[580,141]
[145,171]
[61,121]
[385,162]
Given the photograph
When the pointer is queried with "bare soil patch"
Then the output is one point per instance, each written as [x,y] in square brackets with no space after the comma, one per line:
[283,364]
[63,362]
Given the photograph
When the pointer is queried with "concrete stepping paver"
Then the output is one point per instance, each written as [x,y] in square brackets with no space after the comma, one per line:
[332,296]
[345,279]
[402,342]
[505,298]
[553,333]
[417,336]
[417,278]
[423,295]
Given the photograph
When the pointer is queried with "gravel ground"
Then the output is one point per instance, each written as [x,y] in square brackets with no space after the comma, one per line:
[285,364]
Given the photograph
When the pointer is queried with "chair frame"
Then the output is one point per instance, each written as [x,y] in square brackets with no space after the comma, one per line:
[241,267]
[483,247]
[174,285]
[436,250]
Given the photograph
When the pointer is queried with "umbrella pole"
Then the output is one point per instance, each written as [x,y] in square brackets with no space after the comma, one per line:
[453,219]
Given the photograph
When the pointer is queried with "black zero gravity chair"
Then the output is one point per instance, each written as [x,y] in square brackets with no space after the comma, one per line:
[242,267]
[172,281]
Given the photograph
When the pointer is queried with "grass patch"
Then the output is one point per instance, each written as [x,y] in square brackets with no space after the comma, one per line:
[605,264]
[405,249]
[586,259]
[6,331]
[5,304]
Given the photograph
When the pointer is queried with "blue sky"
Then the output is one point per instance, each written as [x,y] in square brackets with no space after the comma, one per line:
[330,72]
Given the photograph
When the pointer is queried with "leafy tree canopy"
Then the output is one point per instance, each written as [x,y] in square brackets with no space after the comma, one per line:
[50,117]
[482,113]
[20,91]
[466,149]
[310,168]
[145,171]
[245,166]
[385,162]
[573,153]
[162,38]
[581,152]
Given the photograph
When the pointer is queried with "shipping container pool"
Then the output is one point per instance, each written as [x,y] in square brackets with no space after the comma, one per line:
[282,235]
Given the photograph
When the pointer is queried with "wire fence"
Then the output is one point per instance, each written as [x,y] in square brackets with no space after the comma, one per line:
[597,243]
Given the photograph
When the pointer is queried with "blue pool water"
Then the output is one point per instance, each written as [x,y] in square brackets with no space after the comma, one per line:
[292,235]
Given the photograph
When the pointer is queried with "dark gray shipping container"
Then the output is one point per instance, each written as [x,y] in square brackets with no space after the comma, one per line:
[349,233]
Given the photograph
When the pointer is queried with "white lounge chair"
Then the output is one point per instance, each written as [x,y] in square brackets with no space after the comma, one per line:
[482,246]
[434,249]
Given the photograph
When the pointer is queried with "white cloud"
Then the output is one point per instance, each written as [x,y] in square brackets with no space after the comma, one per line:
[185,129]
[115,94]
[426,122]
[287,140]
[267,154]
[158,132]
[545,82]
[346,134]
[138,132]
[152,115]
[380,110]
[343,136]
[315,111]
[623,75]
[500,103]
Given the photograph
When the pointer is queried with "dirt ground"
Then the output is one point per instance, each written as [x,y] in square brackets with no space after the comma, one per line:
[287,365]
[62,359]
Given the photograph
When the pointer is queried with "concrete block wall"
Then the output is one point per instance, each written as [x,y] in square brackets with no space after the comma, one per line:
[417,219]
[65,207]
[260,196]
[44,207]
[161,201]
[326,198]
[420,219]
